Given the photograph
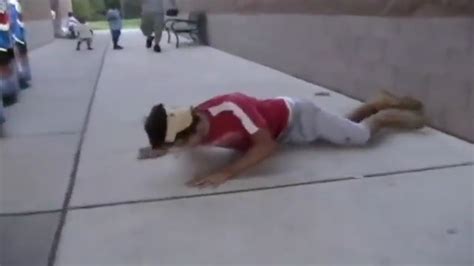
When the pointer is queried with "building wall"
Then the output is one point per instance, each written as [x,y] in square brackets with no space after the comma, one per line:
[429,58]
[339,7]
[39,25]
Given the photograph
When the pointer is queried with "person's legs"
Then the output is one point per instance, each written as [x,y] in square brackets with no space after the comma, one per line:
[72,32]
[89,43]
[311,123]
[339,130]
[383,101]
[115,39]
[119,33]
[9,86]
[78,46]
[147,27]
[395,118]
[113,33]
[159,23]
[24,72]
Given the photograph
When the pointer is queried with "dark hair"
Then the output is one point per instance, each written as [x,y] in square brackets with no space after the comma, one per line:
[156,126]
[69,14]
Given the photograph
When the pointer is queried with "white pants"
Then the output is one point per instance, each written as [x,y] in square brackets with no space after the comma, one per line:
[310,123]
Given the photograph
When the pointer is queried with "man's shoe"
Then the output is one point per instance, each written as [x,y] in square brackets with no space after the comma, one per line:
[149,42]
[157,48]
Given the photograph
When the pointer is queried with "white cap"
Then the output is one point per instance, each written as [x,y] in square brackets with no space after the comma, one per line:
[177,120]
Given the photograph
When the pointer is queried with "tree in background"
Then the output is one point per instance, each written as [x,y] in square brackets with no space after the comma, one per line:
[94,10]
[97,9]
[132,8]
[81,8]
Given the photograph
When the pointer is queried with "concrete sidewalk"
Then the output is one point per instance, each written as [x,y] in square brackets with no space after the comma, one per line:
[407,199]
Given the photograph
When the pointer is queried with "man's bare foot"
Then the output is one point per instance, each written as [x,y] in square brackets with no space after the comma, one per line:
[387,100]
[397,119]
[384,100]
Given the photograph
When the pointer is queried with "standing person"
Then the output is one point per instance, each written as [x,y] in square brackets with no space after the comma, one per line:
[115,24]
[153,21]
[85,34]
[9,86]
[71,24]
[17,30]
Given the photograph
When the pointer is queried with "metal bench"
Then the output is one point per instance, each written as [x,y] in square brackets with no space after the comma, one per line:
[192,27]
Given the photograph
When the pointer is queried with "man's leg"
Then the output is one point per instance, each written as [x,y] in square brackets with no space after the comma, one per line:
[72,32]
[340,130]
[9,86]
[383,101]
[78,46]
[395,118]
[320,124]
[159,23]
[118,34]
[115,39]
[311,123]
[89,43]
[147,27]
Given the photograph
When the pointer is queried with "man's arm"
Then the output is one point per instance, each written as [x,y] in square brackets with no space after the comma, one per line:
[147,153]
[263,147]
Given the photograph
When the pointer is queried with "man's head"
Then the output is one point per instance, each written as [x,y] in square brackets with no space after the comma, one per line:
[170,127]
[69,14]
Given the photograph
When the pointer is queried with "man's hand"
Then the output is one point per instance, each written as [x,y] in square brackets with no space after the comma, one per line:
[263,147]
[149,153]
[210,181]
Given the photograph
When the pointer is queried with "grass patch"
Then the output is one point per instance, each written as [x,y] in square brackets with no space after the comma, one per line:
[127,24]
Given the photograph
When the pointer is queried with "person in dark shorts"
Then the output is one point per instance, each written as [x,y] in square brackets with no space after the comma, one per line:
[115,24]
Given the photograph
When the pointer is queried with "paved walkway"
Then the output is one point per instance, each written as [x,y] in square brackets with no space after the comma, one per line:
[72,192]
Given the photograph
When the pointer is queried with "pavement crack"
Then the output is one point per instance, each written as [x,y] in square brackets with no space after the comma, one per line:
[77,158]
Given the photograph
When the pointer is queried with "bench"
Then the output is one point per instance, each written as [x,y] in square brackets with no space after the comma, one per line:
[192,27]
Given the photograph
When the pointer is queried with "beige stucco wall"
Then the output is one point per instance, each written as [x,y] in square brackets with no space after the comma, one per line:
[429,58]
[423,48]
[346,7]
[39,26]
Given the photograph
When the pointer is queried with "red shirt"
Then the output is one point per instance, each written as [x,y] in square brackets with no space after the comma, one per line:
[234,118]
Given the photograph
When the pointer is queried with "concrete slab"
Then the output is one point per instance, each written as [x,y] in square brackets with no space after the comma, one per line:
[58,99]
[416,218]
[26,240]
[35,172]
[192,74]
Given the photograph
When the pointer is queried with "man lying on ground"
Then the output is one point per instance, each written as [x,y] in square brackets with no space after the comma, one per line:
[256,127]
